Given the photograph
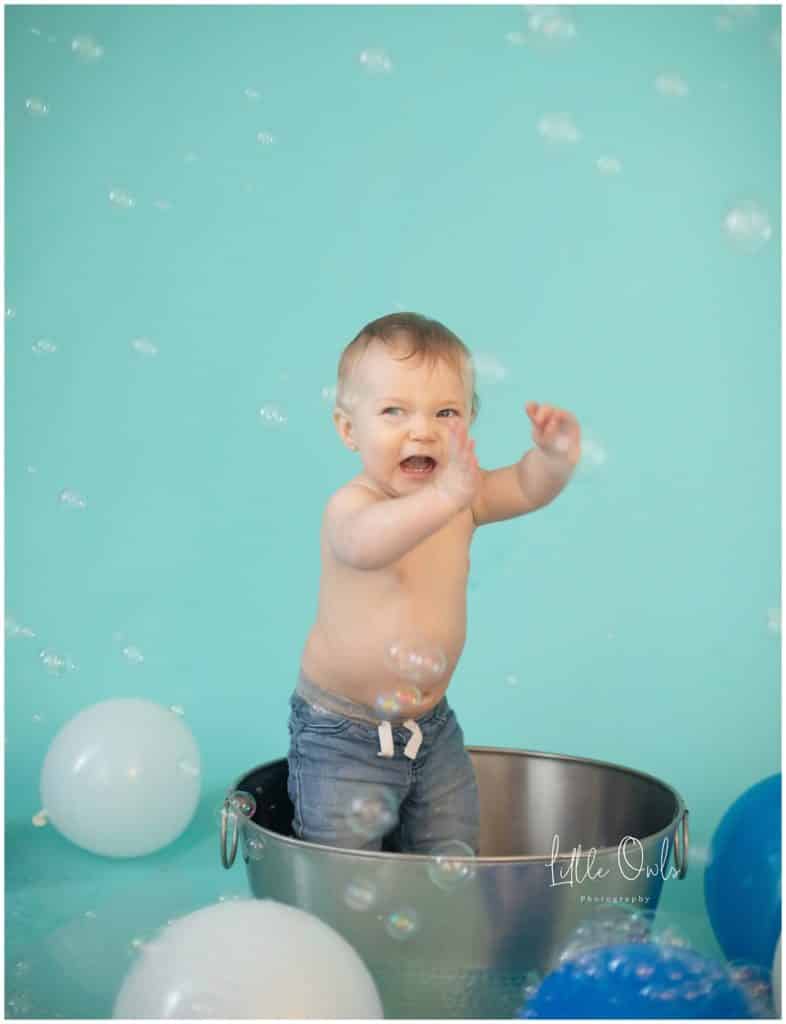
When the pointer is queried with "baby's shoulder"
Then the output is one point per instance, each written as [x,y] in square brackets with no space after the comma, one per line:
[350,496]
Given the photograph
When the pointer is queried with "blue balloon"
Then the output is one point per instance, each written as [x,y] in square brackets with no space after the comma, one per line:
[638,980]
[742,880]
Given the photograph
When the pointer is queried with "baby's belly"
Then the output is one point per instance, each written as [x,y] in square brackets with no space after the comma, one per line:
[406,655]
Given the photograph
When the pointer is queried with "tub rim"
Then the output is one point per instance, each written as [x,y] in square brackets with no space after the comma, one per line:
[681,814]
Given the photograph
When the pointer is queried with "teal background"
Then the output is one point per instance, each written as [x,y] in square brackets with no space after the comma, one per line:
[629,621]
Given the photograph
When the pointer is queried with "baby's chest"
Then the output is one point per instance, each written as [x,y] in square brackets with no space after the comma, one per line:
[439,561]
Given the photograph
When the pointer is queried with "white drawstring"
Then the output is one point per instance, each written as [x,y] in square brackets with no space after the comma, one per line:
[386,739]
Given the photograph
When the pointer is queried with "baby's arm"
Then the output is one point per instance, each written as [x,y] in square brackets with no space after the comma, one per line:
[369,532]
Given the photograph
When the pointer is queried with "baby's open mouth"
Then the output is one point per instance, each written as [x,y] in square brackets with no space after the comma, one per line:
[418,465]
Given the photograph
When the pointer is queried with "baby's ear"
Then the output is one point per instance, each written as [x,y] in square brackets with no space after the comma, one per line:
[343,426]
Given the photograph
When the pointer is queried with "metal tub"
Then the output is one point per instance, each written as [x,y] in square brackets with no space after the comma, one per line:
[562,840]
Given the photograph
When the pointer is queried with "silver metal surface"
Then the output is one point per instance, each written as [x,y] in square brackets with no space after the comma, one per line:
[563,841]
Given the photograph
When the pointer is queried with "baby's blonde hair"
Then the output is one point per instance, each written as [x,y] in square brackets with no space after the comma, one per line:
[427,338]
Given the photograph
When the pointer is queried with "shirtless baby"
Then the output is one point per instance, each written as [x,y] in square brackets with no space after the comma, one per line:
[375,747]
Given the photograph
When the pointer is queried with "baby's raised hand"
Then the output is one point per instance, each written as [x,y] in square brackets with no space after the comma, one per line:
[555,431]
[459,478]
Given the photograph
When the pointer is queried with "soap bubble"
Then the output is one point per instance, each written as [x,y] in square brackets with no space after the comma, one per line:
[670,83]
[71,499]
[255,847]
[86,48]
[37,107]
[272,415]
[43,345]
[607,926]
[144,346]
[376,62]
[403,700]
[747,226]
[360,895]
[756,983]
[402,924]
[418,662]
[608,165]
[56,663]
[243,803]
[119,197]
[372,812]
[558,128]
[450,868]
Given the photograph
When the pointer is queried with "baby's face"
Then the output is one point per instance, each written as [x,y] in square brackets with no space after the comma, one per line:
[402,408]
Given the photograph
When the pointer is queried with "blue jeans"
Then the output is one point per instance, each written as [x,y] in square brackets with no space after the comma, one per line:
[336,760]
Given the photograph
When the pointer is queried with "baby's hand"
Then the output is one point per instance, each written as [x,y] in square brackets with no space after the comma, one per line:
[459,479]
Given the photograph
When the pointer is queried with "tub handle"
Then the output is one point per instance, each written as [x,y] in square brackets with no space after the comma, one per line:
[681,846]
[227,814]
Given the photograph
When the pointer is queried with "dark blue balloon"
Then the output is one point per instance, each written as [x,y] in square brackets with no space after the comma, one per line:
[742,880]
[638,980]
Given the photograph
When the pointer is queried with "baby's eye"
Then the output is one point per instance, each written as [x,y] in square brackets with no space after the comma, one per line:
[454,411]
[391,408]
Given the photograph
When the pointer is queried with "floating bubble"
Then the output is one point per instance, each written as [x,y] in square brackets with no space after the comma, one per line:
[243,803]
[119,197]
[55,663]
[360,895]
[37,107]
[272,415]
[486,365]
[402,924]
[418,662]
[255,847]
[558,128]
[41,819]
[134,655]
[86,48]
[774,620]
[376,62]
[71,499]
[44,345]
[251,94]
[748,226]
[177,709]
[329,395]
[189,768]
[402,701]
[372,812]
[551,24]
[266,139]
[608,165]
[162,204]
[516,38]
[144,346]
[450,867]
[10,313]
[671,83]
[13,629]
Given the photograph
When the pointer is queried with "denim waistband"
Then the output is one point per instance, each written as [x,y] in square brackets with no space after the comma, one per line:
[340,705]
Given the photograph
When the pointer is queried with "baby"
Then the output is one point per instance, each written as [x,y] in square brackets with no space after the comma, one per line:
[374,745]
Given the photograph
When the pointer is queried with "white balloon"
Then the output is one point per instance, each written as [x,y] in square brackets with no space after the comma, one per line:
[776,978]
[122,778]
[248,959]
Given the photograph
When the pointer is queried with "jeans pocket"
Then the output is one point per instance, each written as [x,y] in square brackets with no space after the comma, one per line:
[311,718]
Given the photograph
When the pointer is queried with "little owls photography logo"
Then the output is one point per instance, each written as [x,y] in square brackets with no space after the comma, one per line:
[579,866]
